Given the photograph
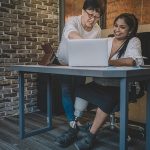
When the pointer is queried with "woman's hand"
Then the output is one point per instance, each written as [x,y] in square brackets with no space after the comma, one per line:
[122,62]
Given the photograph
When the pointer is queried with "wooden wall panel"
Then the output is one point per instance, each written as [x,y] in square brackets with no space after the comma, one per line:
[73,8]
[141,8]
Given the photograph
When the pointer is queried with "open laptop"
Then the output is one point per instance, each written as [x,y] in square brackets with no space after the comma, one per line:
[88,52]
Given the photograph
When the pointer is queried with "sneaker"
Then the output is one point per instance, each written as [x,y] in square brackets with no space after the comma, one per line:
[86,143]
[86,127]
[67,138]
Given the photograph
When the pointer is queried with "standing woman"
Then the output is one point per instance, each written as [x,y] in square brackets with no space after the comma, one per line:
[124,50]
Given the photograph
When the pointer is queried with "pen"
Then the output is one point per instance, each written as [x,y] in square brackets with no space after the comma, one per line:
[143,57]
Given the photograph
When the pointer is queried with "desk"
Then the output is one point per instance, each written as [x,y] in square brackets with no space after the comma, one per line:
[124,74]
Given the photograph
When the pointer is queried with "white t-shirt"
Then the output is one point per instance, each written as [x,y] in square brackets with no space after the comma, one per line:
[74,24]
[133,51]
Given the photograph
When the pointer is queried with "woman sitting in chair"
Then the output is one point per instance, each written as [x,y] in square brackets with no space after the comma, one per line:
[124,50]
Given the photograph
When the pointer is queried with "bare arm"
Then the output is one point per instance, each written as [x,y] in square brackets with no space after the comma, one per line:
[74,35]
[122,62]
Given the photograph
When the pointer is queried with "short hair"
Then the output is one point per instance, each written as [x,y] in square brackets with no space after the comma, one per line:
[92,5]
[131,21]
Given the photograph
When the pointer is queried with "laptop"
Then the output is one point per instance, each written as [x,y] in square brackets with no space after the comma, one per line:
[88,52]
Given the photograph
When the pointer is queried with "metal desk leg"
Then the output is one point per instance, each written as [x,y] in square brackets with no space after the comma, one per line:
[148,117]
[21,105]
[123,113]
[49,103]
[23,134]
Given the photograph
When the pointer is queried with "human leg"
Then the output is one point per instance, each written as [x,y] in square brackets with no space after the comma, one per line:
[68,85]
[105,99]
[86,143]
[67,98]
[98,120]
[68,137]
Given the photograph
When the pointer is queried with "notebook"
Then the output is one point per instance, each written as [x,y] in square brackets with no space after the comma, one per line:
[88,52]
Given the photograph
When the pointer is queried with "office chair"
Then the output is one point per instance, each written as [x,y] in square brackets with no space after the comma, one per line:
[136,90]
[113,125]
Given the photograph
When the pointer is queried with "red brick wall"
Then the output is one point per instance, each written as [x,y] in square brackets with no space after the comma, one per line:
[141,8]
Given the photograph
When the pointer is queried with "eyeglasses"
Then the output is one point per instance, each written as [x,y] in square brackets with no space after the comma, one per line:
[92,15]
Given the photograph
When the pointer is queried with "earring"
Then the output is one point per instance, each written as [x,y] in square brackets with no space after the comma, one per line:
[129,33]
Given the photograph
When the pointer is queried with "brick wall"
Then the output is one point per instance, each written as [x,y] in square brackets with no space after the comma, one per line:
[24,26]
[141,8]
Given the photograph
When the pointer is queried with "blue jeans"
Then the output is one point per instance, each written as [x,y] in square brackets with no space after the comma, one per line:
[68,87]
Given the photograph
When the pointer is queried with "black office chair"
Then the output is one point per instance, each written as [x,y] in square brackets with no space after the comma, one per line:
[134,94]
[137,90]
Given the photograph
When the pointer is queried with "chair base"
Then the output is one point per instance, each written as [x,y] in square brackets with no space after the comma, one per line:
[137,131]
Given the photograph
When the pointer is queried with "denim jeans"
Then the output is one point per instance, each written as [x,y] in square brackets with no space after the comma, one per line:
[68,87]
